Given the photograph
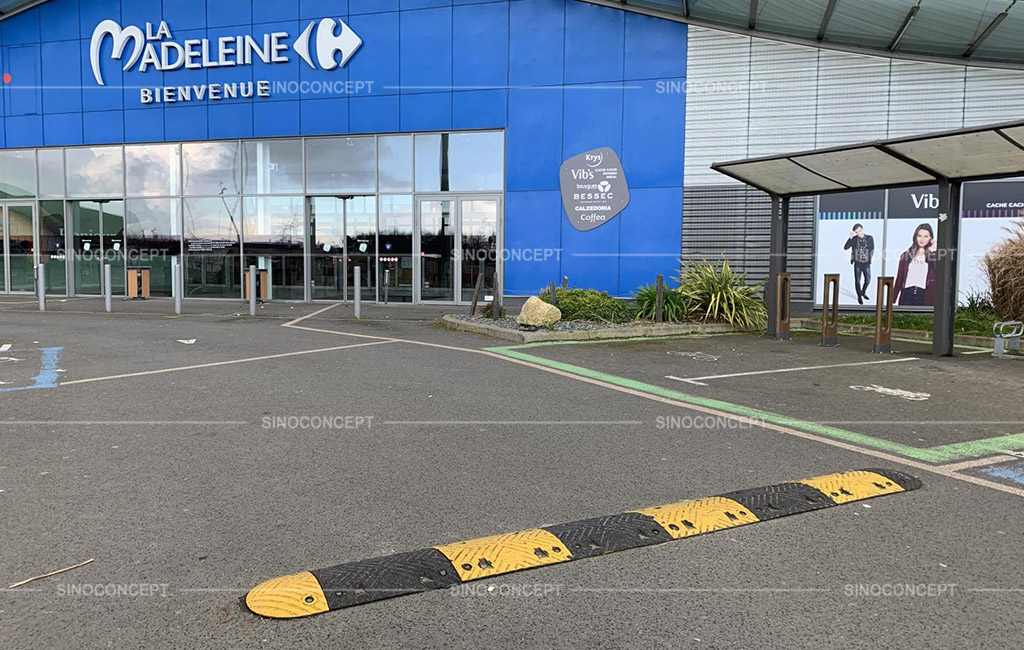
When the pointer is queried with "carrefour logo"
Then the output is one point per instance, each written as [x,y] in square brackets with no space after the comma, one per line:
[153,47]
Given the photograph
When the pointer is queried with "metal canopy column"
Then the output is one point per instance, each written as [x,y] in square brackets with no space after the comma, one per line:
[777,253]
[948,245]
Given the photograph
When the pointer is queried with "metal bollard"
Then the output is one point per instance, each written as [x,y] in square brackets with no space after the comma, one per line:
[358,292]
[252,290]
[41,286]
[108,289]
[883,335]
[176,285]
[830,312]
[783,303]
[1007,336]
[496,304]
[387,284]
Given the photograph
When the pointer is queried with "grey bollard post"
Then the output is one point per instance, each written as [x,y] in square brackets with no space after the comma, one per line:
[358,292]
[252,290]
[41,286]
[108,289]
[176,285]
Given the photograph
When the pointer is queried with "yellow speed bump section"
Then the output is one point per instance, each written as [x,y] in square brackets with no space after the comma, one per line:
[699,516]
[288,597]
[845,487]
[491,556]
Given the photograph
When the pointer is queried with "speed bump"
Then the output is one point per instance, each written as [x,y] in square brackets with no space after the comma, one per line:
[354,583]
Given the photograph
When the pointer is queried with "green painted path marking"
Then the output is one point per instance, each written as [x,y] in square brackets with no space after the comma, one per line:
[941,454]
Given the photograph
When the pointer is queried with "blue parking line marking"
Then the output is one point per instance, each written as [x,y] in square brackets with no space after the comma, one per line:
[1013,472]
[47,377]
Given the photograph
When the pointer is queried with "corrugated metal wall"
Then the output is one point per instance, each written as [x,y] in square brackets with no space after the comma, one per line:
[751,97]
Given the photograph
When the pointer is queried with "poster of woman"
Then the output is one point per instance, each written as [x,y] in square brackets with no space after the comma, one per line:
[915,278]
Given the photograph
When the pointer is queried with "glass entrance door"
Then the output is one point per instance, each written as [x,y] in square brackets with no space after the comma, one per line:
[327,238]
[437,252]
[458,242]
[98,236]
[343,236]
[19,247]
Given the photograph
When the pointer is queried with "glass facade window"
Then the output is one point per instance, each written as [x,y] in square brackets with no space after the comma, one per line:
[212,229]
[394,162]
[476,162]
[17,174]
[51,173]
[274,236]
[396,248]
[153,170]
[431,163]
[211,168]
[308,210]
[154,239]
[272,167]
[341,165]
[95,172]
[460,162]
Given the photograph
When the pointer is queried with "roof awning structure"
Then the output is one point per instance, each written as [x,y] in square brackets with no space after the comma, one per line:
[977,153]
[947,159]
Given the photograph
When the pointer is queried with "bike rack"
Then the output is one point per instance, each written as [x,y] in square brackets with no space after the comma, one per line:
[883,335]
[830,312]
[1007,337]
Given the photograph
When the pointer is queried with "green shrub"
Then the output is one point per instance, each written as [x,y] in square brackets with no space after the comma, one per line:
[675,306]
[487,311]
[589,305]
[719,295]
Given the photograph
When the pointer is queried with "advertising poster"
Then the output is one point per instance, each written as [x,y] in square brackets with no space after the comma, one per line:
[989,208]
[910,242]
[850,238]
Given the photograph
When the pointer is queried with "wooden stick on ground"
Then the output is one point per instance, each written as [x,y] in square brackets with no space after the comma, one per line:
[47,575]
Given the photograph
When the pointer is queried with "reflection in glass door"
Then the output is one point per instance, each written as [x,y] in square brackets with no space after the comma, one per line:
[361,246]
[98,235]
[20,244]
[479,232]
[437,250]
[327,234]
[53,246]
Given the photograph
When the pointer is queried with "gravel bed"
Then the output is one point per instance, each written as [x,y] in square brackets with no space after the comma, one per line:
[560,326]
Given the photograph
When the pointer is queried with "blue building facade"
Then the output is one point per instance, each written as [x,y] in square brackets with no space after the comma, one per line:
[557,77]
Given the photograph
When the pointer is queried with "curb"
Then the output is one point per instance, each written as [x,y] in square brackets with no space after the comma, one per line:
[627,332]
[450,565]
[916,335]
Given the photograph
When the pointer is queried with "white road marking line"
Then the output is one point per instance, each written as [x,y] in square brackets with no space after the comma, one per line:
[5,347]
[696,380]
[225,363]
[118,423]
[307,316]
[980,462]
[924,467]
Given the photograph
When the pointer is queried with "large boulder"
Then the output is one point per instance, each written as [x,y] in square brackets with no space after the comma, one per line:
[537,313]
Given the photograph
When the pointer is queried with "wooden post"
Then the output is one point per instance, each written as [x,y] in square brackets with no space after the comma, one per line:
[659,300]
[883,334]
[782,306]
[565,281]
[476,293]
[553,299]
[830,312]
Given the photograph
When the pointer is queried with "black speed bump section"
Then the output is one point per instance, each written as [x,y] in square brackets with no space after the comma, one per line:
[313,592]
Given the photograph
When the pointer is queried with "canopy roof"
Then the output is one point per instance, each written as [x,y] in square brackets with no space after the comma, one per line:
[957,31]
[977,153]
